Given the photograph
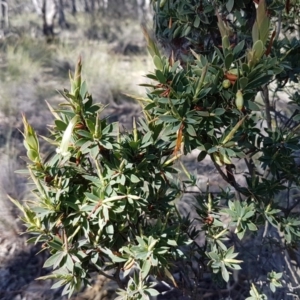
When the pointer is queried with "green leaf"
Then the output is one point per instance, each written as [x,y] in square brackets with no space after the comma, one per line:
[168,119]
[238,48]
[54,259]
[60,125]
[203,113]
[83,90]
[252,105]
[160,76]
[56,244]
[152,292]
[84,133]
[219,111]
[224,272]
[251,226]
[177,31]
[134,179]
[70,263]
[243,81]
[228,60]
[63,149]
[172,243]
[158,62]
[197,21]
[59,284]
[240,234]
[296,118]
[201,155]
[255,32]
[191,130]
[170,276]
[187,30]
[146,268]
[146,138]
[222,245]
[92,197]
[229,5]
[272,287]
[264,29]
[258,49]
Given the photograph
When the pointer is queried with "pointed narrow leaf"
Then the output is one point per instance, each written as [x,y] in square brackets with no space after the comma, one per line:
[228,60]
[63,149]
[229,5]
[224,272]
[170,276]
[146,268]
[158,63]
[233,131]
[53,259]
[255,32]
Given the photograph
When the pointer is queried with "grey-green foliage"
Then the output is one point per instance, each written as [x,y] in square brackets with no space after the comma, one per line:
[105,201]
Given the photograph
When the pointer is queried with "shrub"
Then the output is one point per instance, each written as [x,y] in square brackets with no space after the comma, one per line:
[106,201]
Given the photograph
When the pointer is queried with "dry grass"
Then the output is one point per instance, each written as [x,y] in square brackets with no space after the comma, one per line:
[31,71]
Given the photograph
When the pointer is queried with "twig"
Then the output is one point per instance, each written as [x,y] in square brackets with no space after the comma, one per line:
[233,184]
[111,277]
[288,211]
[95,208]
[290,119]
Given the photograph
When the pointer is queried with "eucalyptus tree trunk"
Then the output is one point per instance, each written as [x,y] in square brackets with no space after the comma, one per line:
[3,14]
[73,7]
[61,15]
[86,6]
[49,11]
[38,6]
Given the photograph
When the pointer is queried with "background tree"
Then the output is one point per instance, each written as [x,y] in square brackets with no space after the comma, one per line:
[3,14]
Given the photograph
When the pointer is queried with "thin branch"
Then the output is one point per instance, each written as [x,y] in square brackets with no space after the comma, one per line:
[94,268]
[288,211]
[290,119]
[234,184]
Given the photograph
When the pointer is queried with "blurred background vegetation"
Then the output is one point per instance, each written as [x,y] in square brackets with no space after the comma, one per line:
[109,38]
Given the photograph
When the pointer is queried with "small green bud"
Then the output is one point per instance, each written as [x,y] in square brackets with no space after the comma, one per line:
[239,100]
[77,75]
[225,42]
[226,83]
[162,3]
